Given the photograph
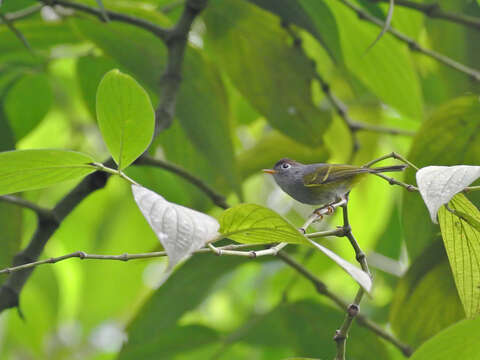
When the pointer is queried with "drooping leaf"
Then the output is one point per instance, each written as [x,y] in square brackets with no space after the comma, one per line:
[125,117]
[27,102]
[386,69]
[462,242]
[190,285]
[451,136]
[90,70]
[34,169]
[425,301]
[360,276]
[180,230]
[255,224]
[247,43]
[283,329]
[456,342]
[438,184]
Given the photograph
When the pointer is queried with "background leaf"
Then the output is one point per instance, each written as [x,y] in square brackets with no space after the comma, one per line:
[462,242]
[33,169]
[125,117]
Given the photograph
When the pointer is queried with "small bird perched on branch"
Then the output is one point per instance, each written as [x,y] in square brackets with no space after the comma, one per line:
[321,184]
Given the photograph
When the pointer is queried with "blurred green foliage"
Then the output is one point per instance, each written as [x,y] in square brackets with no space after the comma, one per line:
[249,95]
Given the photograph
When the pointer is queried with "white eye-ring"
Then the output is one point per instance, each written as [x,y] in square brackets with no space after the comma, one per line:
[286,166]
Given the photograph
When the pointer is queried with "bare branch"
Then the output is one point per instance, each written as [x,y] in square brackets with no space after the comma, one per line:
[159,31]
[414,46]
[23,13]
[434,10]
[40,211]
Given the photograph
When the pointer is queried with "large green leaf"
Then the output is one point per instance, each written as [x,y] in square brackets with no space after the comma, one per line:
[250,45]
[185,290]
[386,69]
[255,224]
[90,70]
[425,301]
[27,102]
[451,136]
[457,342]
[125,117]
[33,169]
[284,330]
[462,242]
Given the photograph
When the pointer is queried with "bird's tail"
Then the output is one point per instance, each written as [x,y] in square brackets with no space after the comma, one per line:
[388,169]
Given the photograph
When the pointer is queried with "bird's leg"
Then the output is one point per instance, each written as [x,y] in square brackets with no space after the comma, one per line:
[329,209]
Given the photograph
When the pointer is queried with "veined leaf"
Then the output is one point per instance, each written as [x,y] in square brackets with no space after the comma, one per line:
[33,169]
[438,184]
[459,341]
[125,117]
[255,224]
[180,230]
[462,242]
[449,137]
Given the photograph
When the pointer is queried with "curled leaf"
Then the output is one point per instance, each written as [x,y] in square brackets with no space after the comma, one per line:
[438,184]
[180,230]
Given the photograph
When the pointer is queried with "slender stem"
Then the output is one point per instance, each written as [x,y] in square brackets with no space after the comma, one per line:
[23,13]
[322,289]
[159,31]
[414,46]
[27,204]
[216,198]
[16,32]
[392,155]
[356,126]
[434,10]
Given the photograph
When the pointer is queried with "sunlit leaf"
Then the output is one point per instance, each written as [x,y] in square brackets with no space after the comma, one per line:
[248,43]
[462,242]
[27,103]
[255,224]
[449,137]
[125,117]
[33,169]
[456,342]
[438,184]
[180,230]
[425,300]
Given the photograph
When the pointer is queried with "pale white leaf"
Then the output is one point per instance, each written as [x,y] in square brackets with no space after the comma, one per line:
[180,230]
[360,276]
[438,184]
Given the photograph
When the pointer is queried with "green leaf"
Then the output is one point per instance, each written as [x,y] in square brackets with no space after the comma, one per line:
[203,112]
[11,225]
[425,301]
[90,70]
[248,42]
[27,103]
[459,341]
[451,136]
[187,288]
[284,328]
[462,242]
[386,69]
[33,169]
[125,117]
[255,224]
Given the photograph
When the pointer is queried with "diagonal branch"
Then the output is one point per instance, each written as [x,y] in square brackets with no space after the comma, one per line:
[159,31]
[176,39]
[414,46]
[434,10]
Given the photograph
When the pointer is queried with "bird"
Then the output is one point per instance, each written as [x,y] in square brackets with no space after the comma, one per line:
[321,184]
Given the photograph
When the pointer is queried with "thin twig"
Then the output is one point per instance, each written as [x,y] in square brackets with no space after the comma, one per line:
[41,211]
[23,13]
[434,10]
[322,289]
[216,198]
[356,126]
[17,33]
[159,31]
[414,46]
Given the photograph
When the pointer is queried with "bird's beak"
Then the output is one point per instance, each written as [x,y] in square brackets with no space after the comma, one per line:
[269,171]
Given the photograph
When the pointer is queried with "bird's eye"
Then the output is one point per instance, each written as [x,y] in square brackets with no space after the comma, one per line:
[286,166]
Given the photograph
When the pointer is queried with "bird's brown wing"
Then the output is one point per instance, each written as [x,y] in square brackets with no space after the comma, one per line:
[329,173]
